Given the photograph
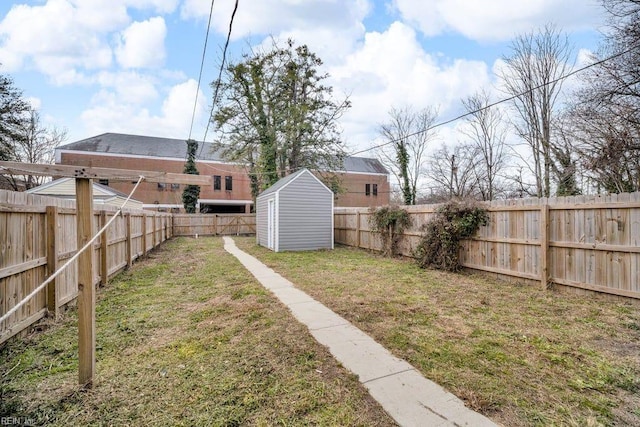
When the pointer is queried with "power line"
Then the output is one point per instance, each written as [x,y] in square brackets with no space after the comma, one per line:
[204,52]
[576,71]
[217,88]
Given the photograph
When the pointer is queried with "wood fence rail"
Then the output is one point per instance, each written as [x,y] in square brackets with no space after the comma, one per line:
[214,224]
[37,234]
[588,243]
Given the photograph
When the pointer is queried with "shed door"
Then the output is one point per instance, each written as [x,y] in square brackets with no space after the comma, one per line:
[271,224]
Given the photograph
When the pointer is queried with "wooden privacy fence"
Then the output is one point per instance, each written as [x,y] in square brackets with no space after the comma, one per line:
[588,242]
[214,225]
[37,234]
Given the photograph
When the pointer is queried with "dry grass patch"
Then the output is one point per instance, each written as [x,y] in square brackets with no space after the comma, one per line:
[186,337]
[520,355]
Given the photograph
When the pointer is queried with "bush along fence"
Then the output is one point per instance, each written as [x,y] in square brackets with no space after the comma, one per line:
[37,234]
[585,243]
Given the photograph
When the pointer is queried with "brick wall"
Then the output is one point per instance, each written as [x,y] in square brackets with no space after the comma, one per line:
[353,184]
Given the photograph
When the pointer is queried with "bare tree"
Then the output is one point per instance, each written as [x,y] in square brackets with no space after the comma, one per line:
[565,167]
[33,143]
[532,74]
[453,172]
[607,142]
[487,131]
[605,112]
[408,133]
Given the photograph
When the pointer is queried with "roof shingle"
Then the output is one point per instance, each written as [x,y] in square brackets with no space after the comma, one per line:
[151,146]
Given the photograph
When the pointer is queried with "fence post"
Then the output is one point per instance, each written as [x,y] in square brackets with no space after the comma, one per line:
[215,224]
[544,246]
[163,228]
[357,229]
[144,234]
[154,238]
[52,259]
[128,248]
[104,247]
[86,289]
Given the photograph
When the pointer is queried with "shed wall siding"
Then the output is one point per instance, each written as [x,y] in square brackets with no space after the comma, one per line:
[261,220]
[305,215]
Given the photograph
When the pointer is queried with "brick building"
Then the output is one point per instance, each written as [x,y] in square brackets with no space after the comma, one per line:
[364,181]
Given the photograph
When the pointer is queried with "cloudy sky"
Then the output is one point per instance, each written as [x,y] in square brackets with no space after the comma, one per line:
[131,66]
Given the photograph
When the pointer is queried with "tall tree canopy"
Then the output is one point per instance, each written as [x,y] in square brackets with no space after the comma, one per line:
[277,115]
[12,112]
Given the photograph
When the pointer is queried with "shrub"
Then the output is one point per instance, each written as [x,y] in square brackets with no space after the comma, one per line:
[390,222]
[440,244]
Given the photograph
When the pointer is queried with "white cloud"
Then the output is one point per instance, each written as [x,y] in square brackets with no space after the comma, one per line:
[35,103]
[584,57]
[331,26]
[142,44]
[63,39]
[497,19]
[130,87]
[110,113]
[54,37]
[392,69]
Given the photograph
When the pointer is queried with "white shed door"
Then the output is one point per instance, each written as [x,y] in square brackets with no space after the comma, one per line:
[271,224]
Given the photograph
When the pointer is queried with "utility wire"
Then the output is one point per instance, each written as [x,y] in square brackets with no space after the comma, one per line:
[217,88]
[204,52]
[469,113]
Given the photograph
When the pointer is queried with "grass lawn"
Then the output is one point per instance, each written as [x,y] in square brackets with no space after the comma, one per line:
[520,355]
[186,337]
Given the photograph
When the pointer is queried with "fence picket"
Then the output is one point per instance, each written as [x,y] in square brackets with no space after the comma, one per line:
[585,243]
[39,234]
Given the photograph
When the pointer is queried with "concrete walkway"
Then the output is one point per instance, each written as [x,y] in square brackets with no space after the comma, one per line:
[403,392]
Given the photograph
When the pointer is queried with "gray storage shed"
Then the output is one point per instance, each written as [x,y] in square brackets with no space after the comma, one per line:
[295,214]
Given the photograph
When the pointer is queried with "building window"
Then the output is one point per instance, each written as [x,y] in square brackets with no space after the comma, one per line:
[367,189]
[103,181]
[162,186]
[217,182]
[175,187]
[228,183]
[375,189]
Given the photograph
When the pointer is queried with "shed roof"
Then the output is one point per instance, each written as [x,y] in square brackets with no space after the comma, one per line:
[282,182]
[151,146]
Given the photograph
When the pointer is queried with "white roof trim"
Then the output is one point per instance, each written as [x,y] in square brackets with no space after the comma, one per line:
[299,175]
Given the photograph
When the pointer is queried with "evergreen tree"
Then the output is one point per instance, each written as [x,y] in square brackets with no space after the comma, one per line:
[191,192]
[12,110]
